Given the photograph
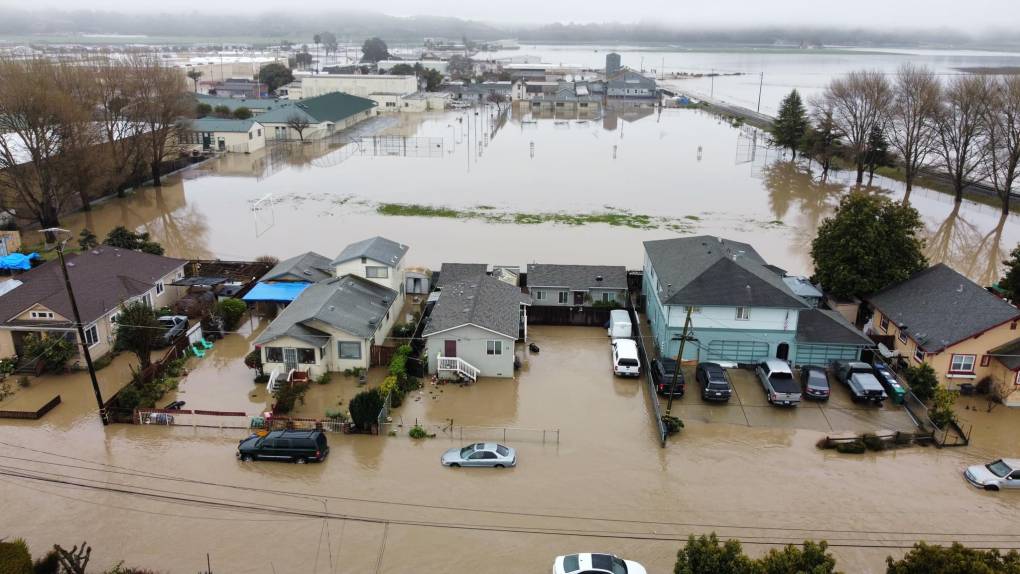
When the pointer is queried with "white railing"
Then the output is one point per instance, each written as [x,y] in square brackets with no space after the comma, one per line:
[457,365]
[274,381]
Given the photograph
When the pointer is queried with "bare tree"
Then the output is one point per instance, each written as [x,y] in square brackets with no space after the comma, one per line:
[1001,155]
[298,123]
[84,167]
[159,105]
[501,100]
[859,102]
[121,132]
[961,129]
[911,125]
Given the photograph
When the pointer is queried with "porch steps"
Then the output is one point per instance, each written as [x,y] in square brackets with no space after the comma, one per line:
[459,366]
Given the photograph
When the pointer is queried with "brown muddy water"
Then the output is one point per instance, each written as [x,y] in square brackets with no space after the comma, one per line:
[606,485]
[686,170]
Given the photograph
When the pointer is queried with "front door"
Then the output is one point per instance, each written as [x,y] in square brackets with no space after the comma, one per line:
[289,358]
[206,141]
[578,297]
[782,351]
[450,348]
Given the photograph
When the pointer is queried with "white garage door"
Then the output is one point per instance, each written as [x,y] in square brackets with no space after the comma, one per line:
[739,351]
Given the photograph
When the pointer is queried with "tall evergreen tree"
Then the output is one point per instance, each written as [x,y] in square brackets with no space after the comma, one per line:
[788,129]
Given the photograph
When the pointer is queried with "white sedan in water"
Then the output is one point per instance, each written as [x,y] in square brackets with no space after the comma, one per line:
[586,563]
[1003,473]
[481,454]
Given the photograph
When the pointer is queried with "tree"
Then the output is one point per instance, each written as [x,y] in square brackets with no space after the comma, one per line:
[52,349]
[791,123]
[122,133]
[365,407]
[87,240]
[253,361]
[1010,282]
[242,113]
[943,404]
[298,123]
[124,238]
[811,558]
[221,111]
[922,381]
[160,105]
[859,102]
[460,67]
[820,141]
[433,79]
[303,59]
[230,311]
[926,558]
[868,244]
[1001,154]
[500,100]
[138,332]
[275,75]
[374,49]
[202,110]
[14,557]
[195,75]
[704,555]
[960,129]
[403,70]
[911,125]
[877,154]
[328,40]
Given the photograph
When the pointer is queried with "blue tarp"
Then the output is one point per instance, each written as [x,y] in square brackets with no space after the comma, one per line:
[284,292]
[18,261]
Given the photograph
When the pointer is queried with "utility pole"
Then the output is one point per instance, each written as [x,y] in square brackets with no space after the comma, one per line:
[761,83]
[711,92]
[679,359]
[77,320]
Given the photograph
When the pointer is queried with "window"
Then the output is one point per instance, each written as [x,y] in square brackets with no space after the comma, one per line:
[306,356]
[274,354]
[391,104]
[259,133]
[42,314]
[540,295]
[919,355]
[563,297]
[250,136]
[375,272]
[159,287]
[743,313]
[986,360]
[607,297]
[113,318]
[902,336]
[349,350]
[364,259]
[884,323]
[494,347]
[962,364]
[91,336]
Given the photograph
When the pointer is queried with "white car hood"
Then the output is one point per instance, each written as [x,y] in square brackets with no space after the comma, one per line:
[980,474]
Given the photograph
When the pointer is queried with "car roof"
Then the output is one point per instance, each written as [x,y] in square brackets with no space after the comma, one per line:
[709,366]
[1013,463]
[628,343]
[586,561]
[293,434]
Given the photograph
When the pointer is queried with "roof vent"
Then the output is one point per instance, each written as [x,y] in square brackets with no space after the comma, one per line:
[306,272]
[960,290]
[332,307]
[598,278]
[372,321]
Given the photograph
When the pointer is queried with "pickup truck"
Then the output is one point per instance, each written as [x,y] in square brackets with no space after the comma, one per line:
[174,326]
[777,379]
[662,374]
[861,380]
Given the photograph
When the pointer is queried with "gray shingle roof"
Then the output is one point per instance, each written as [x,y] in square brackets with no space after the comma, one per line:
[825,326]
[483,301]
[454,272]
[577,277]
[102,279]
[940,307]
[709,270]
[349,303]
[376,248]
[308,266]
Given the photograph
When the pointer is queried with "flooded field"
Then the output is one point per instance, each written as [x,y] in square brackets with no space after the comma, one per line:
[392,508]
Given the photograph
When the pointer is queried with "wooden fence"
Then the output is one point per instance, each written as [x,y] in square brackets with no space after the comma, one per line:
[32,415]
[380,355]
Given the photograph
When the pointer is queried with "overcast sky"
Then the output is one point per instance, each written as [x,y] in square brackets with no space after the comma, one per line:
[964,16]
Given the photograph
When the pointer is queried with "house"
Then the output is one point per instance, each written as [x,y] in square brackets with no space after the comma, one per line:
[254,105]
[386,90]
[224,135]
[286,280]
[455,272]
[473,326]
[235,88]
[577,285]
[940,317]
[824,335]
[741,310]
[324,115]
[623,82]
[331,326]
[377,259]
[103,279]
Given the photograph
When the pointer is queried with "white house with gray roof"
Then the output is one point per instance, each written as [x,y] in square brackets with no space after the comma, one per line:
[473,326]
[577,285]
[377,259]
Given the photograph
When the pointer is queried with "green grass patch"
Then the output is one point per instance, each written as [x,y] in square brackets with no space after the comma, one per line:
[612,216]
[692,217]
[416,210]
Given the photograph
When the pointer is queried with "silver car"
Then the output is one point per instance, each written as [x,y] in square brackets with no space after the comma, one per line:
[1003,473]
[480,454]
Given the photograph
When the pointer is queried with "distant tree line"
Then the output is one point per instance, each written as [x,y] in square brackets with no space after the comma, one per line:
[74,131]
[967,127]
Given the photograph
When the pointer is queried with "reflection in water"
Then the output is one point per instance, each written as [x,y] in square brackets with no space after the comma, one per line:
[790,185]
[964,247]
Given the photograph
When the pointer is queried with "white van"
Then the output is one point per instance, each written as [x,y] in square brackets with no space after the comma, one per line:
[625,358]
[619,324]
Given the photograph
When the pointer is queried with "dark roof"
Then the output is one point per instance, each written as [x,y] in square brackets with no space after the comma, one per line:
[332,107]
[577,277]
[349,303]
[825,326]
[376,248]
[940,307]
[1008,354]
[708,270]
[483,301]
[454,272]
[308,266]
[102,279]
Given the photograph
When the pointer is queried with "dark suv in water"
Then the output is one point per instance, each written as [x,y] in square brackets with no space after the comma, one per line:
[662,374]
[292,445]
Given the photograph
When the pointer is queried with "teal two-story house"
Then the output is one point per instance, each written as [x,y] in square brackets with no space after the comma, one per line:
[741,308]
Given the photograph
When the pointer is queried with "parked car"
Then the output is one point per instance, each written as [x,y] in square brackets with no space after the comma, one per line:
[480,454]
[300,446]
[1002,473]
[815,382]
[592,563]
[777,380]
[860,379]
[174,326]
[662,375]
[625,358]
[888,379]
[715,384]
[619,324]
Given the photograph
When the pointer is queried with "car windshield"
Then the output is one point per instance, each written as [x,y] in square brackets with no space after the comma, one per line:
[466,451]
[608,563]
[999,468]
[571,563]
[718,385]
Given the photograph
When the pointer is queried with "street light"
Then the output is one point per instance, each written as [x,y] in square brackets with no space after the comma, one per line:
[77,321]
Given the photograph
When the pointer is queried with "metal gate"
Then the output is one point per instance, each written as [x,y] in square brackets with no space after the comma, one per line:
[738,351]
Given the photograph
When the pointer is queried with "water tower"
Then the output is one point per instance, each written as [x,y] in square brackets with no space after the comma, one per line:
[612,64]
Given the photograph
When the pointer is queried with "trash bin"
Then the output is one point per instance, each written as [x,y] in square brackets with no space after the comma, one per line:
[897,394]
[967,389]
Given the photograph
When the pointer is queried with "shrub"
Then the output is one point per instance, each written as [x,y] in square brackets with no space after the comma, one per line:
[409,384]
[175,368]
[253,361]
[932,558]
[365,407]
[324,378]
[286,396]
[23,382]
[103,362]
[49,564]
[262,379]
[854,447]
[672,424]
[873,442]
[398,366]
[388,385]
[922,381]
[8,365]
[15,558]
[231,311]
[403,329]
[139,395]
[417,432]
[337,414]
[54,351]
[942,411]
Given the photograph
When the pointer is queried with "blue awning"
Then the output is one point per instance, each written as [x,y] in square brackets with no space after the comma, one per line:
[279,292]
[18,261]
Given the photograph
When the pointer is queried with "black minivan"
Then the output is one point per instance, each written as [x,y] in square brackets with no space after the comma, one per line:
[300,446]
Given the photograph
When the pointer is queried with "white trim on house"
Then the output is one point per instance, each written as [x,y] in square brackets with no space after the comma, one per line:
[473,325]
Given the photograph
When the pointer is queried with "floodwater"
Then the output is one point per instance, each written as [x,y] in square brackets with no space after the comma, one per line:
[605,485]
[685,169]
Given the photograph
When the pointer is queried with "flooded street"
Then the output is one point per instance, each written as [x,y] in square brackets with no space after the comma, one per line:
[393,508]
